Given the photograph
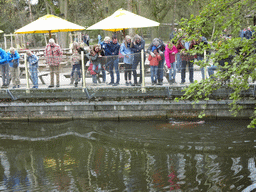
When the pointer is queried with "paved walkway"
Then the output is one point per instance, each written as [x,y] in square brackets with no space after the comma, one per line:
[65,82]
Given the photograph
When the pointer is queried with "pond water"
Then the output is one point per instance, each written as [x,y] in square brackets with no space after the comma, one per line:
[127,156]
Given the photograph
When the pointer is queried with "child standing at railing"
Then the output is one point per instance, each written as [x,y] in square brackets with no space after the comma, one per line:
[170,52]
[76,64]
[154,62]
[96,58]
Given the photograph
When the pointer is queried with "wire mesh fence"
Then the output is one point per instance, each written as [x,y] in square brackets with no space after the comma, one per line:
[107,66]
[109,70]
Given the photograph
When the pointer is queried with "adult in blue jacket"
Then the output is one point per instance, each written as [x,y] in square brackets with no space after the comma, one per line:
[114,47]
[126,51]
[13,59]
[33,68]
[5,68]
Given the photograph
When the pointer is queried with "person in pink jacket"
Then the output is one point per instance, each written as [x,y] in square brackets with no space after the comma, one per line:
[170,52]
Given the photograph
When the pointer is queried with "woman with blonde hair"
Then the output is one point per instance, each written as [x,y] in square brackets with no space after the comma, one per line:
[126,51]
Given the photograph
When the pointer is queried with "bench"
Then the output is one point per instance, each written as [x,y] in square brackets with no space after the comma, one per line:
[86,76]
[41,75]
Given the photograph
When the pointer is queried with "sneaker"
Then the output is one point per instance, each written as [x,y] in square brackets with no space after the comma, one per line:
[34,87]
[115,84]
[111,83]
[172,81]
[18,86]
[127,84]
[76,84]
[57,85]
[14,87]
[50,86]
[134,84]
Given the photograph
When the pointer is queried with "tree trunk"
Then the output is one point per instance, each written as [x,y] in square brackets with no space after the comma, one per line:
[31,19]
[173,19]
[47,7]
[129,7]
[63,37]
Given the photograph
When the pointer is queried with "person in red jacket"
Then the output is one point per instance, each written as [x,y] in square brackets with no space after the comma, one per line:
[154,62]
[170,52]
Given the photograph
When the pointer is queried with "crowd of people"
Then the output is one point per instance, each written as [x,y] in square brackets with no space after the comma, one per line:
[103,58]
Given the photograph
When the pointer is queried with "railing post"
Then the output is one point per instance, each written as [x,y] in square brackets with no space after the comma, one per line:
[205,73]
[83,70]
[26,72]
[143,90]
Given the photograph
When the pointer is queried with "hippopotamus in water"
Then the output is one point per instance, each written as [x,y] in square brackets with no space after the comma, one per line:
[180,124]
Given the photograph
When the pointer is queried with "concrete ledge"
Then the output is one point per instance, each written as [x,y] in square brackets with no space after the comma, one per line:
[115,103]
[155,109]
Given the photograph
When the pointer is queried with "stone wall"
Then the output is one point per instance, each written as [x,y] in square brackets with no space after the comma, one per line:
[111,104]
[124,110]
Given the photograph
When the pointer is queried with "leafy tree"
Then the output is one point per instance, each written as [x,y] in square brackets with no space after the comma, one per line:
[222,15]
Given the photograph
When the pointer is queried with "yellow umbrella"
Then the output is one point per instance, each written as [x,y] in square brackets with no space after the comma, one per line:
[121,20]
[49,24]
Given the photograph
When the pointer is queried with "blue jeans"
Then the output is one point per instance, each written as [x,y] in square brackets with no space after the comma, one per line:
[34,74]
[153,71]
[211,70]
[178,66]
[94,78]
[94,68]
[5,73]
[160,70]
[112,65]
[77,68]
[100,69]
[172,71]
[183,71]
[199,58]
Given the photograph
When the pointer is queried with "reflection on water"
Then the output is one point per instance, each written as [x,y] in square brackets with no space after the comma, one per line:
[127,156]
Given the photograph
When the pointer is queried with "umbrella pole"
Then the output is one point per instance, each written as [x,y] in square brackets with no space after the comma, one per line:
[50,35]
[143,90]
[83,70]
[124,32]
